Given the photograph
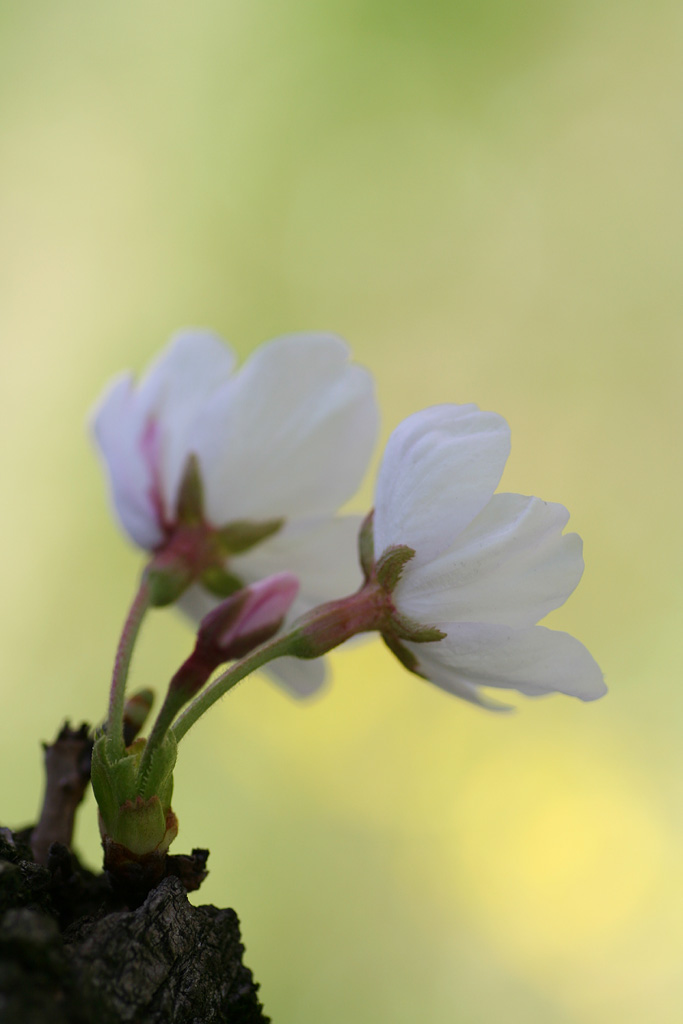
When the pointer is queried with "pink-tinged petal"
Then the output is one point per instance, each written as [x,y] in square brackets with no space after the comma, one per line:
[266,605]
[511,565]
[534,660]
[291,434]
[175,391]
[120,426]
[439,470]
[239,623]
[299,678]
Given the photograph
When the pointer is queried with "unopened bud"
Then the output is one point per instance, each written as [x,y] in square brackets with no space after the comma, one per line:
[143,826]
[249,617]
[135,808]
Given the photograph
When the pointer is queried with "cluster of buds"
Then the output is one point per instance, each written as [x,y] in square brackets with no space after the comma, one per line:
[231,481]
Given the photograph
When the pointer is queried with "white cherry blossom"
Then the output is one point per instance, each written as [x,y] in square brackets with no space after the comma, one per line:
[287,436]
[486,567]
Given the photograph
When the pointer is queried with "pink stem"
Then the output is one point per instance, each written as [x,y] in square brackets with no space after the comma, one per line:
[124,653]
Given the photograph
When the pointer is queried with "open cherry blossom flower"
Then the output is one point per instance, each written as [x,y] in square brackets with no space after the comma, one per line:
[470,572]
[456,577]
[231,475]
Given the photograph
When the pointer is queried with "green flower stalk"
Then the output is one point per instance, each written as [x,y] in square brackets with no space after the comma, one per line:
[133,784]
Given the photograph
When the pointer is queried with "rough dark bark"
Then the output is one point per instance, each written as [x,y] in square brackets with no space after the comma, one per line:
[70,953]
[124,947]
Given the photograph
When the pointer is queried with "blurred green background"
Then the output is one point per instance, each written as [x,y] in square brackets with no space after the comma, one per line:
[485,200]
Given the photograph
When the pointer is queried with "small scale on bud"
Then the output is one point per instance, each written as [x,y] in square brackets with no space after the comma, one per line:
[143,826]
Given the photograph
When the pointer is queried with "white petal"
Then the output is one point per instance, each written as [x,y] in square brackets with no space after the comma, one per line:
[440,468]
[118,423]
[322,553]
[175,390]
[298,677]
[197,602]
[195,361]
[511,565]
[534,661]
[291,434]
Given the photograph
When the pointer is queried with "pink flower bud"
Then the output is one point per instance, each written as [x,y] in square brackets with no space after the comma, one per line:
[232,629]
[250,616]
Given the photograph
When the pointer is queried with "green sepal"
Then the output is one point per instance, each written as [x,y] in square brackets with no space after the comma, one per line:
[113,782]
[406,657]
[240,536]
[390,566]
[190,502]
[159,776]
[413,632]
[408,629]
[220,582]
[366,545]
[167,578]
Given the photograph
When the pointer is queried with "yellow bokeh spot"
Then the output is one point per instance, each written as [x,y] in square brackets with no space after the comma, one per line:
[550,861]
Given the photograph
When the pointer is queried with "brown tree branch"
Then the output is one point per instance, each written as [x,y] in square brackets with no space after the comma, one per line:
[67,774]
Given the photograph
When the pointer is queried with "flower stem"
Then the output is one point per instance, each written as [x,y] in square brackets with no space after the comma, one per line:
[311,636]
[124,653]
[226,680]
[175,699]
